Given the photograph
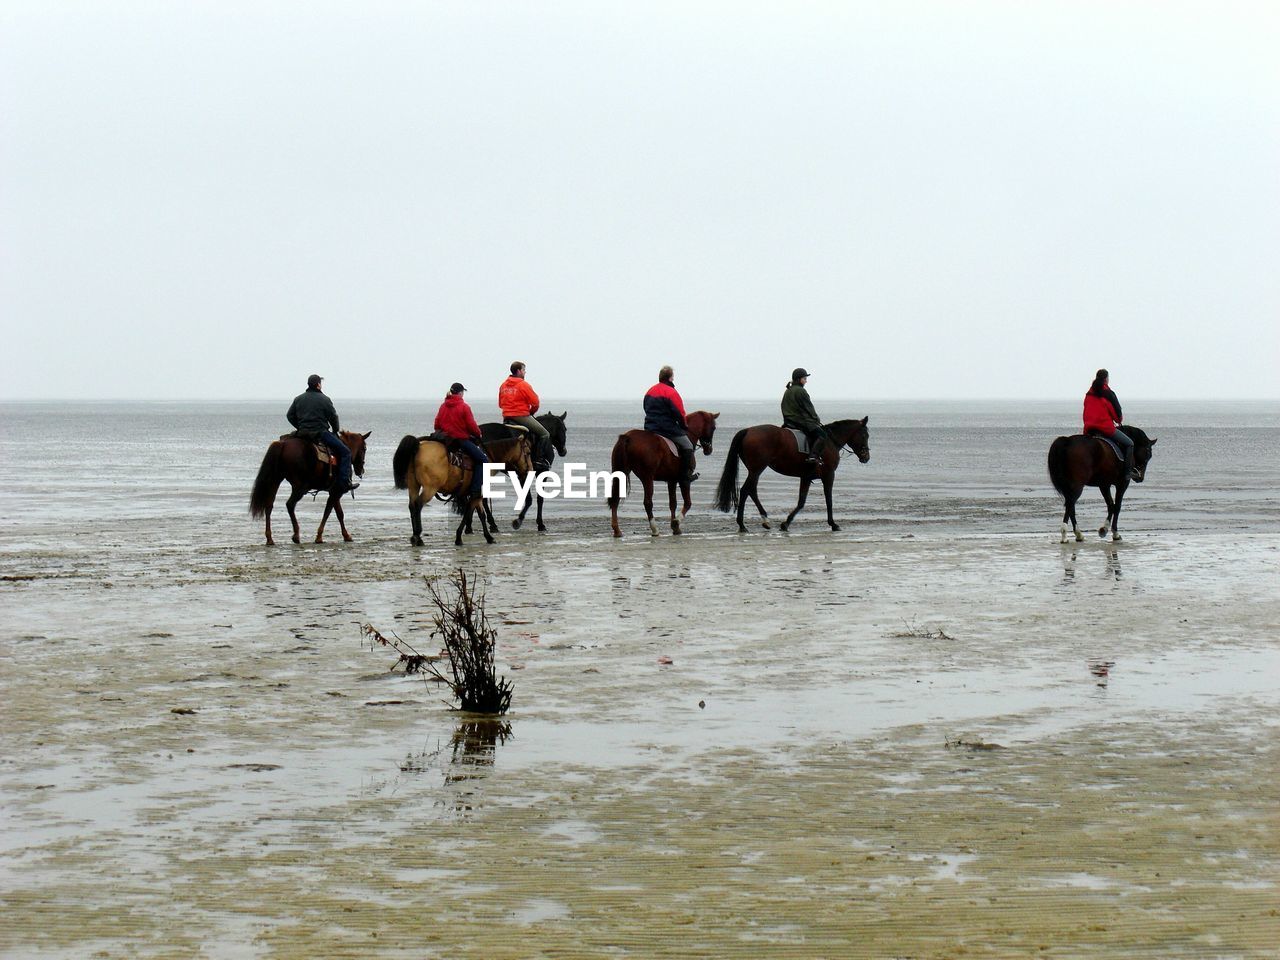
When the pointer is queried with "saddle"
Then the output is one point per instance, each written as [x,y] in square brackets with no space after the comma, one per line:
[675,451]
[454,452]
[322,452]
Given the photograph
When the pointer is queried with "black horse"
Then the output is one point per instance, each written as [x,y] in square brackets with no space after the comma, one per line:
[489,432]
[1087,461]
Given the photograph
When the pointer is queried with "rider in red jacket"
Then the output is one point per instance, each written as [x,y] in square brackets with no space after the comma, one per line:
[454,419]
[1102,415]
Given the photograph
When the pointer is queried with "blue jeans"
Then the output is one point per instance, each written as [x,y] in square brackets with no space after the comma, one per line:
[331,440]
[1125,444]
[478,457]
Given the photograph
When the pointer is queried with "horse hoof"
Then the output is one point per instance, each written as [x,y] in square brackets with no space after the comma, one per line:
[347,538]
[296,540]
[765,524]
[835,526]
[1116,538]
[542,528]
[784,527]
[1079,537]
[1102,531]
[741,528]
[515,524]
[271,543]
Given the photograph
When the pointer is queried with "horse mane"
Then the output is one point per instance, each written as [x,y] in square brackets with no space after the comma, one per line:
[1138,437]
[838,424]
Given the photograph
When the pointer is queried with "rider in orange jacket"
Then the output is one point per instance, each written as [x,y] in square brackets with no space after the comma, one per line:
[518,403]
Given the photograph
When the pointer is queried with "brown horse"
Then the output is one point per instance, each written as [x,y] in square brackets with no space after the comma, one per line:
[295,460]
[1085,461]
[770,447]
[422,467]
[647,456]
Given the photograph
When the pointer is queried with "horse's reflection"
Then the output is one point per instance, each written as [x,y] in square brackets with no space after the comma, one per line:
[1113,569]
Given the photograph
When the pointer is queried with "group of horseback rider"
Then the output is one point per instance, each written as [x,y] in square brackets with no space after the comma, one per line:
[313,415]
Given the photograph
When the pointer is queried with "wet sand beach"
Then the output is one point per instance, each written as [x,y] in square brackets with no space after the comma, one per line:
[895,741]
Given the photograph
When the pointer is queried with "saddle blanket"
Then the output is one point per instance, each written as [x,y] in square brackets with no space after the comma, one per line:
[1115,447]
[802,442]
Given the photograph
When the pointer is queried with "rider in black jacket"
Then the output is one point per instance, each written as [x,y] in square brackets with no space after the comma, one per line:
[313,416]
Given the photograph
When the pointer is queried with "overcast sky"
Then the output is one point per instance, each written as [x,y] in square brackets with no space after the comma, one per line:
[978,199]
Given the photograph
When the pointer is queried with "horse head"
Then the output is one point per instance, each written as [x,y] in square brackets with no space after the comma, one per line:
[852,434]
[702,427]
[1142,451]
[355,443]
[555,427]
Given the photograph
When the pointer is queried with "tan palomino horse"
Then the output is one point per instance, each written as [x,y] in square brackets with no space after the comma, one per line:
[422,467]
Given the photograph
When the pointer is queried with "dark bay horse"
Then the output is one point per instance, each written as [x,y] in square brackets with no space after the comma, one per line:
[647,456]
[771,447]
[491,432]
[295,460]
[1085,461]
[423,467]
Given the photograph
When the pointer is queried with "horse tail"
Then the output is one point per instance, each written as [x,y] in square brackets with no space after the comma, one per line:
[268,481]
[620,462]
[727,490]
[1058,466]
[403,460]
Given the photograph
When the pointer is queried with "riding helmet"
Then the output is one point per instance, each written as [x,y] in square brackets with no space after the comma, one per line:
[798,372]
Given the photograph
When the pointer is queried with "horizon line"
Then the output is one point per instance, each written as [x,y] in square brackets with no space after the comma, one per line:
[1136,398]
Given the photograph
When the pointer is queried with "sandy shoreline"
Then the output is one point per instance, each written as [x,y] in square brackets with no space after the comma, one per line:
[811,808]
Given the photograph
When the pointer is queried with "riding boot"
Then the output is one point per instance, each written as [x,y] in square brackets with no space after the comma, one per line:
[815,451]
[686,467]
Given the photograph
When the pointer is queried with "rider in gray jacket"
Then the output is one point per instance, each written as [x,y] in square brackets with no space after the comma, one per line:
[312,415]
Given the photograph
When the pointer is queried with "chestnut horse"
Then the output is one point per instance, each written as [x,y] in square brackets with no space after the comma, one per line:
[771,447]
[295,460]
[647,456]
[1085,461]
[422,466]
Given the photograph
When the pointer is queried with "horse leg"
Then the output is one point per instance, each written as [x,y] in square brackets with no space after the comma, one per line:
[827,479]
[1111,509]
[270,541]
[1115,517]
[519,520]
[542,527]
[747,485]
[1069,513]
[804,494]
[342,520]
[294,496]
[328,508]
[488,516]
[753,481]
[675,521]
[647,482]
[416,500]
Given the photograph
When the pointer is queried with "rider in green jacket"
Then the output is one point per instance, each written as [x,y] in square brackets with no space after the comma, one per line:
[798,413]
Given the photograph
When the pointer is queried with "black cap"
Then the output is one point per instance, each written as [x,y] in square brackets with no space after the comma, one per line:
[799,372]
[457,388]
[314,380]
